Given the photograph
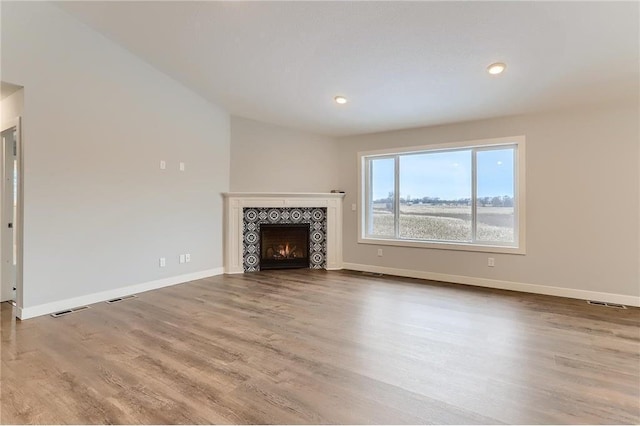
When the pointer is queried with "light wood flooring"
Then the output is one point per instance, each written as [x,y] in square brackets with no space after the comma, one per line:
[304,346]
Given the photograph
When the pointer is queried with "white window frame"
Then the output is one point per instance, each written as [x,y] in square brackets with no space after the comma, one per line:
[518,247]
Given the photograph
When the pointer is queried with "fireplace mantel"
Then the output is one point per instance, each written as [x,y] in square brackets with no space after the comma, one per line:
[236,201]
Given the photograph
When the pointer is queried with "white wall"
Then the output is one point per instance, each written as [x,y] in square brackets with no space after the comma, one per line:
[98,211]
[271,158]
[582,213]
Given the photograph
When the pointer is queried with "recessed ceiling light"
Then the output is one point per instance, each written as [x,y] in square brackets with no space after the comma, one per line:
[340,100]
[496,68]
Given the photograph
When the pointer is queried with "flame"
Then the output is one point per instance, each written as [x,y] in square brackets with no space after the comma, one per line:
[286,251]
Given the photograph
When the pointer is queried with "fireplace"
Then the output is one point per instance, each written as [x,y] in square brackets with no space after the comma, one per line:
[245,213]
[284,245]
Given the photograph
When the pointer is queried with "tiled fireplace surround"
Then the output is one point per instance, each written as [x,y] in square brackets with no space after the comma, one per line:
[237,204]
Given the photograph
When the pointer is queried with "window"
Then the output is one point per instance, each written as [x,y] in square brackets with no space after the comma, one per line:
[466,196]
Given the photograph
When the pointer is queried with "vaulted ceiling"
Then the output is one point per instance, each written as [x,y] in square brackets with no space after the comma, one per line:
[8,89]
[400,64]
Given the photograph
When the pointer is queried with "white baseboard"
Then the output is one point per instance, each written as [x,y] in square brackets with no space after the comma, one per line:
[499,284]
[61,305]
[234,272]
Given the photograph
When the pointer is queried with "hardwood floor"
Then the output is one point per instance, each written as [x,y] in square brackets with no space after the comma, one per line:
[304,346]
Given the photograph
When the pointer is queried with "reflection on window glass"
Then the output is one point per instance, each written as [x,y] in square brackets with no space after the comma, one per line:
[15,182]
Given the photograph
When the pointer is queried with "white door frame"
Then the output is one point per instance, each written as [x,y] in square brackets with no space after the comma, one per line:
[18,219]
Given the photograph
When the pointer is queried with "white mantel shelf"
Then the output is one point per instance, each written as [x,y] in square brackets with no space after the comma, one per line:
[283,195]
[236,201]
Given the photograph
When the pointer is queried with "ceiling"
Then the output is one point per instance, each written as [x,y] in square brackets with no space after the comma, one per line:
[8,89]
[400,64]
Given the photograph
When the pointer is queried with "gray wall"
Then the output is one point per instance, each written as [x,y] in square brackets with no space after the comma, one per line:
[270,158]
[582,215]
[98,210]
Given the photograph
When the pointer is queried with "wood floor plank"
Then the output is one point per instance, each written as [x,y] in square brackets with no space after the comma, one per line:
[319,347]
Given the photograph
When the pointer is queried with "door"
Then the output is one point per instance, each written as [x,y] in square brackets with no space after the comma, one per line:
[9,205]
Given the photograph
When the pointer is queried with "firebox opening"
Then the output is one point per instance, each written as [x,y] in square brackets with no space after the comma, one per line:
[284,246]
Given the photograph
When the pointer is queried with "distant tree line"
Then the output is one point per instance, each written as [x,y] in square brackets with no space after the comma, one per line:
[504,201]
[497,201]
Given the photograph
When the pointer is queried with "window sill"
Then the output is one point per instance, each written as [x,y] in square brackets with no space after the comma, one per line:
[443,245]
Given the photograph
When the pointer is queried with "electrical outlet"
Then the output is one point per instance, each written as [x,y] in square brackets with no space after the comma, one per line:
[187,257]
[182,258]
[182,167]
[163,165]
[163,262]
[380,252]
[354,207]
[491,262]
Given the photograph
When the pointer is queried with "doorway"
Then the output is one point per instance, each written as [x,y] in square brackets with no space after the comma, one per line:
[10,239]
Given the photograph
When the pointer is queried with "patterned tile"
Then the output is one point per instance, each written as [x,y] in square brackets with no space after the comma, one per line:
[253,217]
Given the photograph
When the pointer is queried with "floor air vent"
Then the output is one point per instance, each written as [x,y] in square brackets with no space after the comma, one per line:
[608,305]
[120,299]
[69,311]
[372,274]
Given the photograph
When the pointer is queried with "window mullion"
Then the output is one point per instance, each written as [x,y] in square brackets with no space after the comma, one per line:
[368,212]
[516,198]
[474,195]
[396,201]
